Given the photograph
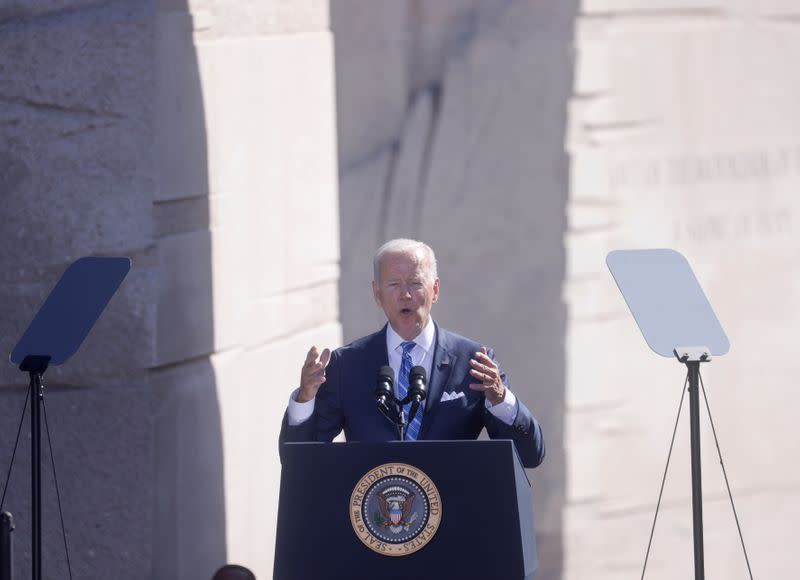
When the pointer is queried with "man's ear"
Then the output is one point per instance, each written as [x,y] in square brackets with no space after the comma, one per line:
[435,290]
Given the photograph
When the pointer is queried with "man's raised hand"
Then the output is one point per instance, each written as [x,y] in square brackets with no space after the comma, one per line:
[486,371]
[313,374]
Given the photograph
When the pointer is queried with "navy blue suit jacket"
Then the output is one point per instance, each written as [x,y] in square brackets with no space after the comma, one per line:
[345,400]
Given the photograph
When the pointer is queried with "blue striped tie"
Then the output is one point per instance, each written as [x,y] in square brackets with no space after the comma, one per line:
[412,431]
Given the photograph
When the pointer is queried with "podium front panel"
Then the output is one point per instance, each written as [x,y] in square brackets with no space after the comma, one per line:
[480,534]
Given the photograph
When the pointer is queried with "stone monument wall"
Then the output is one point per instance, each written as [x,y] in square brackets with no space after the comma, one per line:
[199,139]
[684,134]
[77,178]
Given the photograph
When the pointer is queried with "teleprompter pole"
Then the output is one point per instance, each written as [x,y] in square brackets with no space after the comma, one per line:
[692,356]
[35,366]
[6,546]
[697,485]
[36,475]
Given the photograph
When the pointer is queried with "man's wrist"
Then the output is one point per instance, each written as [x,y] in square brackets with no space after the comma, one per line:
[299,411]
[505,410]
[304,396]
[497,399]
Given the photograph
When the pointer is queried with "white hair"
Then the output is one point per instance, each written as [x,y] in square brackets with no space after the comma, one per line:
[403,246]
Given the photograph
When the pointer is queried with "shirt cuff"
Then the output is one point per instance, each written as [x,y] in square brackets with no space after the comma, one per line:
[506,411]
[299,413]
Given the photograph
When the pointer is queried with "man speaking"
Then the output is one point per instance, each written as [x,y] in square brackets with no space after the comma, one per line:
[466,389]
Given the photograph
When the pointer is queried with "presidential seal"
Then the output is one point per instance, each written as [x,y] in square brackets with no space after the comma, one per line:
[395,509]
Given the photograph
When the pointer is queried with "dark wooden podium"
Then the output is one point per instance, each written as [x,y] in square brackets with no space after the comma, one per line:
[399,510]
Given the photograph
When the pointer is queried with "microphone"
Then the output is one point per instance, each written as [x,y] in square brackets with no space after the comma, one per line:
[384,388]
[416,389]
[384,396]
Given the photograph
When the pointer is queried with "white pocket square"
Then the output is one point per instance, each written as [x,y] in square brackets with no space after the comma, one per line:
[451,396]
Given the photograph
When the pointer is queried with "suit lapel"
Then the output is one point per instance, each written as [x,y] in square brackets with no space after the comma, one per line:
[376,351]
[376,356]
[443,362]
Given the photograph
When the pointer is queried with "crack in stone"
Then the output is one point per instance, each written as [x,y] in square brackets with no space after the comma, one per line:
[386,194]
[588,96]
[777,18]
[56,108]
[657,14]
[581,202]
[436,99]
[593,229]
[418,196]
[16,15]
[619,125]
[86,129]
[370,157]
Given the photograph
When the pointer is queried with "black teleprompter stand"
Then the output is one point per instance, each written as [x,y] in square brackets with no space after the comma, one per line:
[692,357]
[670,308]
[6,546]
[35,367]
[54,335]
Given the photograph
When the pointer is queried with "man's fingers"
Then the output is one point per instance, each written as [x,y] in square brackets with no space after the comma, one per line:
[317,380]
[315,369]
[481,376]
[479,387]
[311,356]
[326,356]
[316,376]
[476,373]
[484,357]
[482,367]
[491,371]
[313,372]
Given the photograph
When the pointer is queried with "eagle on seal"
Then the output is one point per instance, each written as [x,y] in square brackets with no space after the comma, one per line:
[396,511]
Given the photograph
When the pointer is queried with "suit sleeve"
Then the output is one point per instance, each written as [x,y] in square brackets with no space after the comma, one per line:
[327,420]
[525,431]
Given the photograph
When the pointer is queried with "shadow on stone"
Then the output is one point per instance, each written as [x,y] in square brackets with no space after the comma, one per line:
[454,132]
[105,153]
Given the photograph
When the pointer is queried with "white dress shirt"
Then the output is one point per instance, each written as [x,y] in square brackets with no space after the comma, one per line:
[422,355]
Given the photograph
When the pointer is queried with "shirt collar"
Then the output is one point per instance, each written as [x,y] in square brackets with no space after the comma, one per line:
[424,339]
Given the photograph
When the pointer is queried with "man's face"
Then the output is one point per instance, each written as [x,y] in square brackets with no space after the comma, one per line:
[406,291]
